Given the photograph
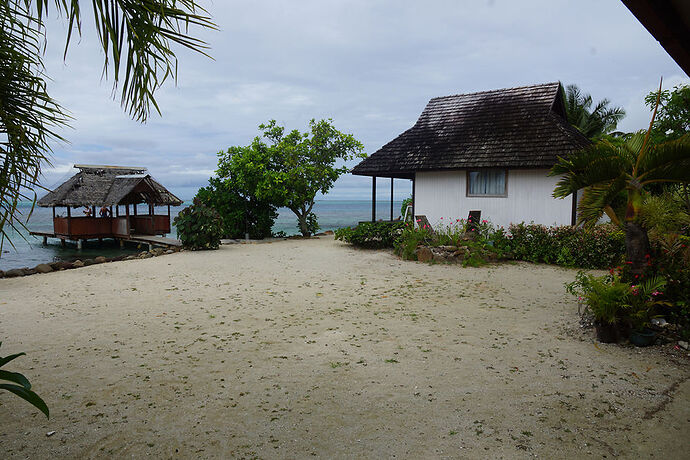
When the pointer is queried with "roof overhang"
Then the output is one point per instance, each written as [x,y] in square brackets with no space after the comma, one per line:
[669,22]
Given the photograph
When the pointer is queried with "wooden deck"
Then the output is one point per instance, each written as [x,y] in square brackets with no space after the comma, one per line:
[154,240]
[151,240]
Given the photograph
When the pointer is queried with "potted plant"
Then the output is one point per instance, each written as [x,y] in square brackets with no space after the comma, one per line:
[606,298]
[641,307]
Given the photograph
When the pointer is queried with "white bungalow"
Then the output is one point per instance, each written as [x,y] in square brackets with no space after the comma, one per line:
[489,151]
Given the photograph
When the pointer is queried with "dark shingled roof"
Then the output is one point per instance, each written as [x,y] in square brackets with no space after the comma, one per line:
[108,186]
[521,127]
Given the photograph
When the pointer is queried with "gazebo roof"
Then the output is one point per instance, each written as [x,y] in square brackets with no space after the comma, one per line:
[101,185]
[522,127]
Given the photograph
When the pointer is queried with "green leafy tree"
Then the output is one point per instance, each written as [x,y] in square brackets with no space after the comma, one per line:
[241,212]
[673,115]
[297,166]
[136,38]
[593,122]
[605,170]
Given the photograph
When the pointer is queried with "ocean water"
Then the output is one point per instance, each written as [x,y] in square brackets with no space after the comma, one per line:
[29,251]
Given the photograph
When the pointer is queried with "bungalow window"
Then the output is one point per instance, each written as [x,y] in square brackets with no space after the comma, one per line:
[487,182]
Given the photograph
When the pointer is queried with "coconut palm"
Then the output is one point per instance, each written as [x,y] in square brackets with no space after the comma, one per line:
[136,38]
[591,122]
[605,170]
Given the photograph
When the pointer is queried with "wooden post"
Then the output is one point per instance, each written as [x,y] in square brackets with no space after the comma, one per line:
[135,208]
[127,211]
[45,240]
[117,210]
[80,244]
[414,221]
[53,212]
[93,211]
[373,198]
[391,199]
[153,228]
[69,222]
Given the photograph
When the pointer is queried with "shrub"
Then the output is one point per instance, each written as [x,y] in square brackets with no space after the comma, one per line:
[199,226]
[408,240]
[373,235]
[240,212]
[600,247]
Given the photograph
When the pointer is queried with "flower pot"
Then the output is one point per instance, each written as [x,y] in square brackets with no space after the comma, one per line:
[642,338]
[606,332]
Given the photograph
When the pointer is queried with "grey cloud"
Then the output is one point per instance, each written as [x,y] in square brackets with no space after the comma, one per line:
[370,65]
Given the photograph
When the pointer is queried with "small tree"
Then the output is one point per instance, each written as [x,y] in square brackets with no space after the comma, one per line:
[673,115]
[605,170]
[199,226]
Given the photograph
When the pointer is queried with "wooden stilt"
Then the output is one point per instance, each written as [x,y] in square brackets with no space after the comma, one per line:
[80,244]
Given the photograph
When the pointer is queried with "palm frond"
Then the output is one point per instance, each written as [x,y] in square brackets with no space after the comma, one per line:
[596,198]
[667,162]
[597,163]
[29,118]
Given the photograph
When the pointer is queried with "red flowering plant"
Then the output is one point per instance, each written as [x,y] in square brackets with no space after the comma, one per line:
[644,301]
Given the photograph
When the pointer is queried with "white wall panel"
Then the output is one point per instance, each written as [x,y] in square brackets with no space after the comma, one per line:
[443,195]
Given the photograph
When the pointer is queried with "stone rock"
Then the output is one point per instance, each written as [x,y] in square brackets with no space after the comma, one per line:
[158,251]
[424,254]
[684,345]
[130,257]
[30,271]
[77,264]
[449,248]
[88,262]
[14,273]
[43,268]
[328,232]
[146,255]
[100,260]
[438,256]
[170,251]
[55,265]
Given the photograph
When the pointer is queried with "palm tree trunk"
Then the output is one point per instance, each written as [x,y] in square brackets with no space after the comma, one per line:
[636,247]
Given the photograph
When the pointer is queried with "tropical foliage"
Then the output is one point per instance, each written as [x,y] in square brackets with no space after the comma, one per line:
[290,169]
[605,171]
[20,385]
[199,226]
[137,40]
[673,115]
[592,120]
[371,234]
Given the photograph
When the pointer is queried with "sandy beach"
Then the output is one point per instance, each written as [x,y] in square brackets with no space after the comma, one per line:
[311,348]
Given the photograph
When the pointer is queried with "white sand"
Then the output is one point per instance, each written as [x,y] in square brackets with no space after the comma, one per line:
[310,347]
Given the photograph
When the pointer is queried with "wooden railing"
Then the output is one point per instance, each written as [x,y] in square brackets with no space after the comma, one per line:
[108,227]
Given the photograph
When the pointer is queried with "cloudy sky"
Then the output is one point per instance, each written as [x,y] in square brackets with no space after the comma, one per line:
[370,65]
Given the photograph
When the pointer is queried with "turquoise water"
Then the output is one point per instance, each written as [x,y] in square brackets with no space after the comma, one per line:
[332,214]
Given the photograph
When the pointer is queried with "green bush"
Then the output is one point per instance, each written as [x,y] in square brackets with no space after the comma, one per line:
[372,235]
[240,212]
[409,238]
[600,247]
[199,226]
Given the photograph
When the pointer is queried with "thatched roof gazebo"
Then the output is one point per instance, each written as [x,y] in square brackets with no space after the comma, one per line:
[106,187]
